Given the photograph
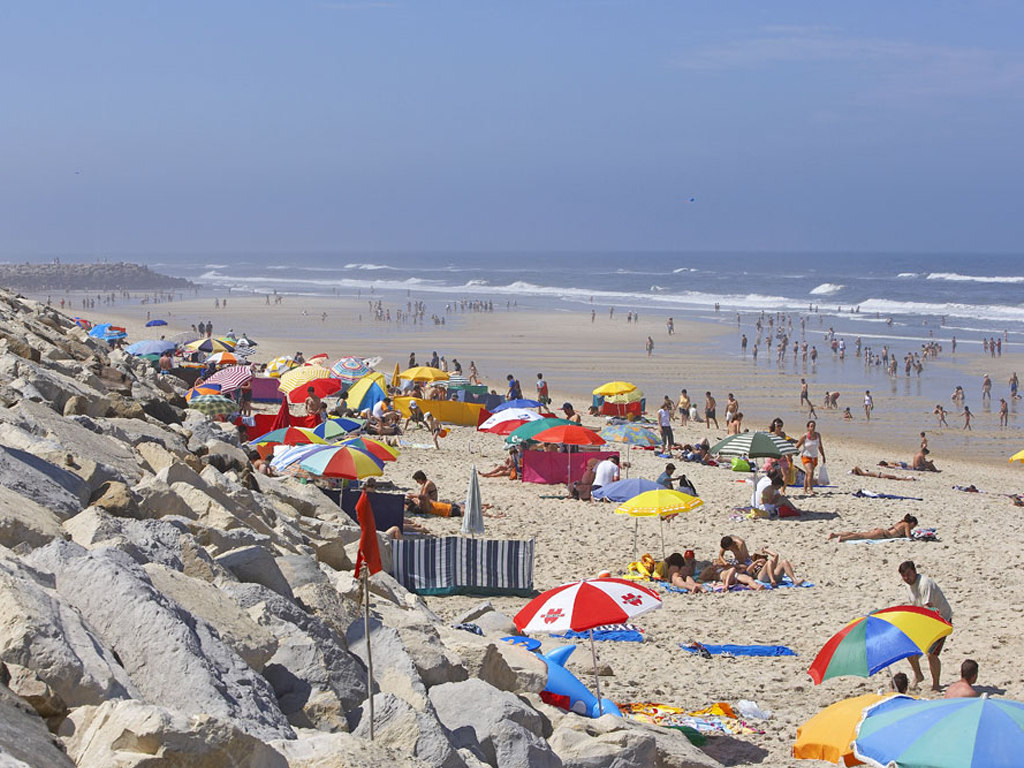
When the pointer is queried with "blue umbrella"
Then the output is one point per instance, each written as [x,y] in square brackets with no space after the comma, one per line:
[624,490]
[942,733]
[520,403]
[152,323]
[150,347]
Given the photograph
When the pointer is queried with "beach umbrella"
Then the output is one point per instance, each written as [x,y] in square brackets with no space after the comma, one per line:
[211,345]
[397,374]
[829,735]
[375,448]
[108,332]
[366,392]
[527,431]
[457,382]
[517,414]
[336,427]
[153,323]
[322,387]
[222,358]
[942,733]
[280,365]
[318,359]
[613,388]
[519,403]
[81,322]
[231,378]
[624,490]
[350,369]
[582,605]
[568,434]
[299,377]
[203,389]
[1018,456]
[213,405]
[755,445]
[423,373]
[873,642]
[631,434]
[150,347]
[661,503]
[294,454]
[473,512]
[289,436]
[343,462]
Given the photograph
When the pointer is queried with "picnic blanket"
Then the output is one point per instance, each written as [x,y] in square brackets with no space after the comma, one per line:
[625,633]
[866,494]
[738,650]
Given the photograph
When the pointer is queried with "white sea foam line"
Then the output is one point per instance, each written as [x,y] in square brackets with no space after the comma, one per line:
[826,289]
[973,278]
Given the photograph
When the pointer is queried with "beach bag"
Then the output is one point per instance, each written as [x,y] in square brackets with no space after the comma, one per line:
[686,486]
[740,465]
[822,475]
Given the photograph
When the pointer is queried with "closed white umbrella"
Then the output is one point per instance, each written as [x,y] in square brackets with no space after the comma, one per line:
[473,514]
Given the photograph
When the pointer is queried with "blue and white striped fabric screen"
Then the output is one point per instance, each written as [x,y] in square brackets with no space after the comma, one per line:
[459,565]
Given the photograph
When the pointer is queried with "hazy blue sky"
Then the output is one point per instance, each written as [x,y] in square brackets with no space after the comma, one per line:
[230,125]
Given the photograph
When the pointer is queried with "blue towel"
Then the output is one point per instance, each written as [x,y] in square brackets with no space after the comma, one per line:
[786,582]
[624,633]
[743,650]
[872,495]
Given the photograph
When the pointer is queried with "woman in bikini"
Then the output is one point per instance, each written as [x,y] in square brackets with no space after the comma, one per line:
[900,530]
[868,473]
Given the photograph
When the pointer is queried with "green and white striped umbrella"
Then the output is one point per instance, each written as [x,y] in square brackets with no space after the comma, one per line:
[755,445]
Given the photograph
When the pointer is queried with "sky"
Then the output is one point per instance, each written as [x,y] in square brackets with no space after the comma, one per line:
[148,126]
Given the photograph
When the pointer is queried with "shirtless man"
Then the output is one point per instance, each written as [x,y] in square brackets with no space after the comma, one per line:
[732,407]
[940,412]
[1004,412]
[312,403]
[804,397]
[709,411]
[922,463]
[964,687]
[737,546]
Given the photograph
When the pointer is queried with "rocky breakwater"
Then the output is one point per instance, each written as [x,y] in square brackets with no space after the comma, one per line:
[163,605]
[97,276]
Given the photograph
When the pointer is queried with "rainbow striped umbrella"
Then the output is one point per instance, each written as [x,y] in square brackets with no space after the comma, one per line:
[375,448]
[337,427]
[203,389]
[350,369]
[343,462]
[873,642]
[289,436]
[297,377]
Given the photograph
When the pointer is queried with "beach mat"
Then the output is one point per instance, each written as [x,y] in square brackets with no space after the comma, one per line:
[866,494]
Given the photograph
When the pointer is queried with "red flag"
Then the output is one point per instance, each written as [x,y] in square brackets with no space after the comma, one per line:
[283,418]
[369,552]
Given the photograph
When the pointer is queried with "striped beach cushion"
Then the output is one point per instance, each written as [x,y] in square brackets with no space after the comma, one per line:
[458,565]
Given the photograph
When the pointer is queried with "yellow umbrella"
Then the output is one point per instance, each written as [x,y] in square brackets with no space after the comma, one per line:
[614,388]
[424,373]
[661,504]
[279,366]
[296,377]
[632,396]
[396,375]
[829,734]
[1018,456]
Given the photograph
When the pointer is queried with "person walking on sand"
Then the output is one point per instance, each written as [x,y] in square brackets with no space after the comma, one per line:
[986,388]
[811,449]
[804,396]
[650,346]
[709,411]
[967,419]
[869,404]
[925,593]
[1004,413]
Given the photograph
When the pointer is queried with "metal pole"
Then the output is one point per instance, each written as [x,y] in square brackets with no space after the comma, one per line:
[369,654]
[597,681]
[661,521]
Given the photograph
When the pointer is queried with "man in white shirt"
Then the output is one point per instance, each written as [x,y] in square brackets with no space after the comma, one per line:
[925,593]
[665,422]
[757,499]
[606,472]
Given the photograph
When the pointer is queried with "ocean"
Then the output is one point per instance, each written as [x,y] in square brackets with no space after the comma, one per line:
[969,296]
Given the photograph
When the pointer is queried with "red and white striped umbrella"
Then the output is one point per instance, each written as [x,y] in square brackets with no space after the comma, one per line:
[522,415]
[231,378]
[583,605]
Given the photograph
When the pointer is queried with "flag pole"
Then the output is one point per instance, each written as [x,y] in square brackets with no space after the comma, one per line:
[369,654]
[597,680]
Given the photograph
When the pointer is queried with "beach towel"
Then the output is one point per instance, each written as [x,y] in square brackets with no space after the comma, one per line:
[924,534]
[714,720]
[623,633]
[875,541]
[738,650]
[866,494]
[716,587]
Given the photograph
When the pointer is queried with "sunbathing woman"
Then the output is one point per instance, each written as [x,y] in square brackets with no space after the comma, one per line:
[900,530]
[769,569]
[868,473]
[679,570]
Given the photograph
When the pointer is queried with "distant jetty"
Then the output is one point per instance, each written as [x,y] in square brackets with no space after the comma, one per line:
[97,276]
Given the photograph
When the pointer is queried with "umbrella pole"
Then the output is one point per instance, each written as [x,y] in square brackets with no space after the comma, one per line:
[636,524]
[597,681]
[369,655]
[661,522]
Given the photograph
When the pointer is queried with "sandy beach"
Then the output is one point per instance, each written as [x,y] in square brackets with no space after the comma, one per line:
[977,560]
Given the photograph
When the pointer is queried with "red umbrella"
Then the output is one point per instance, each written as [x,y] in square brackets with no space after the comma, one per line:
[321,388]
[506,427]
[569,434]
[283,418]
[583,605]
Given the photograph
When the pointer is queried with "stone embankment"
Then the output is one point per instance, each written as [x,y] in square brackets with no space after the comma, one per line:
[97,276]
[162,604]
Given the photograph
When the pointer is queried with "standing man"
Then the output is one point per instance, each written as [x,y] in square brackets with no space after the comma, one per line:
[804,396]
[515,392]
[665,422]
[925,593]
[650,346]
[709,411]
[684,408]
[312,404]
[542,390]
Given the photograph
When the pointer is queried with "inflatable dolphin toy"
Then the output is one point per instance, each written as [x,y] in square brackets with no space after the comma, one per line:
[564,684]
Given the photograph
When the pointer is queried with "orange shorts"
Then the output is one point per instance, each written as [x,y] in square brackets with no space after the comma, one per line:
[808,460]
